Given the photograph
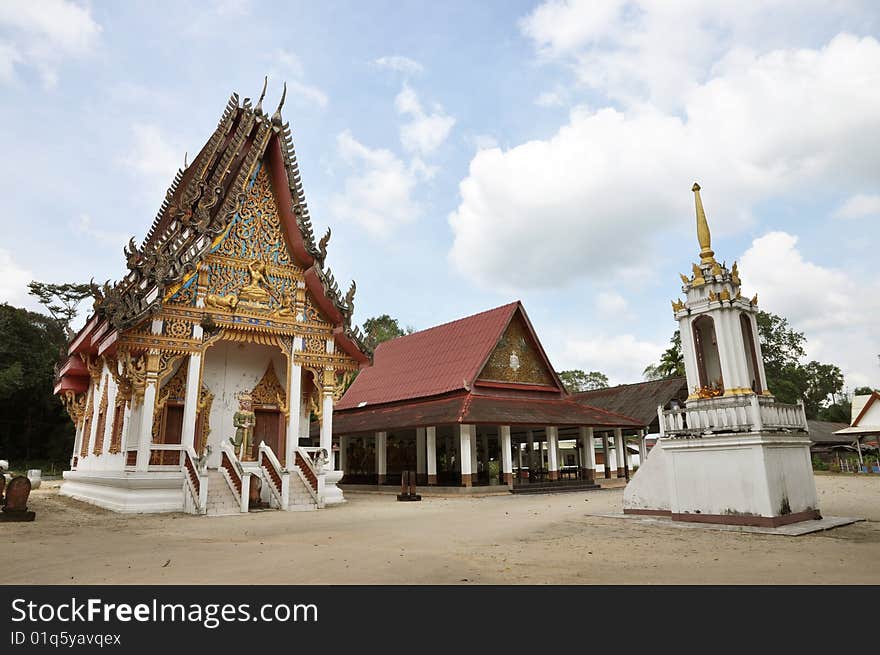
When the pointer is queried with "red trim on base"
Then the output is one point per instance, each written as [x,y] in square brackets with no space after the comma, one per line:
[508,479]
[380,478]
[553,475]
[465,479]
[733,519]
[432,480]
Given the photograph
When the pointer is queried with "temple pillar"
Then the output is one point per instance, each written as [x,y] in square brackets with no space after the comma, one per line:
[420,452]
[588,461]
[381,456]
[327,413]
[519,459]
[466,436]
[485,442]
[506,454]
[552,452]
[191,399]
[606,467]
[530,443]
[145,431]
[431,454]
[294,412]
[619,450]
[643,448]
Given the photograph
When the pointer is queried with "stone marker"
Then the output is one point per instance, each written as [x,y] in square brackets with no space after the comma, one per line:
[15,504]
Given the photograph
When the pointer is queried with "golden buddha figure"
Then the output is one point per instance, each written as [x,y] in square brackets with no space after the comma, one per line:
[253,291]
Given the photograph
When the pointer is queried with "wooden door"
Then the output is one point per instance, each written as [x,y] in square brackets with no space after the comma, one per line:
[172,430]
[267,430]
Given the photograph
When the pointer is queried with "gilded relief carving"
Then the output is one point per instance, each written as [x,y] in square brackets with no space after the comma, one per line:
[515,359]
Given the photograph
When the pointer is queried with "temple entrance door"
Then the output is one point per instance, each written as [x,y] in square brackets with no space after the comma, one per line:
[172,426]
[268,429]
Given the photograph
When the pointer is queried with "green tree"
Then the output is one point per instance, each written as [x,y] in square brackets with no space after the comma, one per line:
[33,423]
[382,328]
[671,363]
[61,300]
[863,391]
[577,380]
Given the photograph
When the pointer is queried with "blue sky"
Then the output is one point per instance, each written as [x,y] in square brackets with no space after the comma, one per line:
[470,154]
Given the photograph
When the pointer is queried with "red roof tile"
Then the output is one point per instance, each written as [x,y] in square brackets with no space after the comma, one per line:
[432,362]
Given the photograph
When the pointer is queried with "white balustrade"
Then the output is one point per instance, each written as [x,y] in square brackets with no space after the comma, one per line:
[740,413]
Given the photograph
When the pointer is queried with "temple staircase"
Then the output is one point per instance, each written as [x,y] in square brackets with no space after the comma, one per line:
[221,501]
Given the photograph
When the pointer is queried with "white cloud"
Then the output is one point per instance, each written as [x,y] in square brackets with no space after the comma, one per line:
[622,357]
[859,206]
[551,99]
[655,50]
[153,156]
[425,132]
[609,181]
[484,141]
[291,70]
[610,304]
[837,313]
[378,196]
[44,35]
[400,64]
[85,226]
[13,281]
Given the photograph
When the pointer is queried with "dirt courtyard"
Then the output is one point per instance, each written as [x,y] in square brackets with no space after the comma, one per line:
[478,540]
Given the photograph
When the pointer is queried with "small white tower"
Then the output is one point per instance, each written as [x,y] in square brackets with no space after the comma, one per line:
[732,454]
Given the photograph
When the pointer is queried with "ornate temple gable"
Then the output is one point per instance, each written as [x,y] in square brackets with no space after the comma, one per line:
[268,392]
[518,358]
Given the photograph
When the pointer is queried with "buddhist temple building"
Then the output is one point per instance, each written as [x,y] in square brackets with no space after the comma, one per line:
[192,384]
[474,402]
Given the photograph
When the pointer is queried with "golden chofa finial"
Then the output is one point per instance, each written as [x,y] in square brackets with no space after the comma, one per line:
[703,234]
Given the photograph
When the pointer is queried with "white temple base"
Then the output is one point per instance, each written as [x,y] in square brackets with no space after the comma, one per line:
[762,479]
[332,492]
[126,491]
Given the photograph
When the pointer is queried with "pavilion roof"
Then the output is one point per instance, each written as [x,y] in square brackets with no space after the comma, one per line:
[471,408]
[440,360]
[638,400]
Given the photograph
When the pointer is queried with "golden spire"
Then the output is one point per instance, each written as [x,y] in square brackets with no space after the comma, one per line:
[703,235]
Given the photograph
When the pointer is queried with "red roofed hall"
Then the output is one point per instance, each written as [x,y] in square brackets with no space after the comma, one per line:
[470,402]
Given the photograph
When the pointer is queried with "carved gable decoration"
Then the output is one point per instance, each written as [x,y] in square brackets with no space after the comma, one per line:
[516,358]
[269,391]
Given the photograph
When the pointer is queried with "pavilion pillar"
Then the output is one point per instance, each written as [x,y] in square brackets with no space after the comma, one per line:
[519,461]
[420,452]
[145,431]
[530,443]
[588,460]
[466,436]
[606,467]
[485,441]
[619,450]
[294,412]
[552,452]
[191,399]
[506,454]
[643,448]
[343,453]
[475,469]
[431,452]
[381,456]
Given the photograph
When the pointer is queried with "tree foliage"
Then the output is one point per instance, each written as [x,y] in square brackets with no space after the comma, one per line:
[383,328]
[33,424]
[576,380]
[61,300]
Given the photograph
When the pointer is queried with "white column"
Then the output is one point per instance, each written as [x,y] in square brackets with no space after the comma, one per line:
[420,451]
[474,464]
[381,456]
[753,320]
[431,448]
[485,442]
[552,452]
[530,443]
[643,448]
[465,438]
[145,431]
[294,412]
[191,400]
[327,425]
[519,451]
[506,454]
[589,448]
[343,452]
[618,448]
[688,354]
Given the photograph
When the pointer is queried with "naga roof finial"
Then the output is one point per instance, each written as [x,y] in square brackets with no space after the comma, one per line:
[276,117]
[707,256]
[259,106]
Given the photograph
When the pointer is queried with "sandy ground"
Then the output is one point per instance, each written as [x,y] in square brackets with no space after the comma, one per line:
[488,540]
